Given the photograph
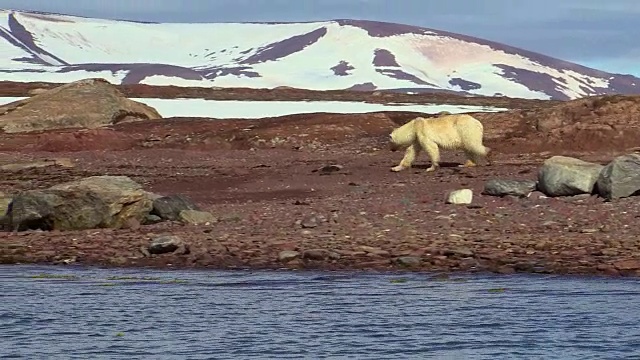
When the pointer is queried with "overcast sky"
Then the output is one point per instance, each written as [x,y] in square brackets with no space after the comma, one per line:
[597,33]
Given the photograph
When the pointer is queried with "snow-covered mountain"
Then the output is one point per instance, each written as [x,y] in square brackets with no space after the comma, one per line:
[325,55]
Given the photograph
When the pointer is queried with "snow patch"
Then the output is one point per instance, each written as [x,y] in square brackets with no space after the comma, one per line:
[232,109]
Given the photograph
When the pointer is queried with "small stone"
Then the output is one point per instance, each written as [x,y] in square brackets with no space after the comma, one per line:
[630,264]
[288,255]
[517,188]
[315,254]
[309,222]
[329,169]
[196,217]
[118,261]
[463,196]
[169,207]
[373,250]
[152,219]
[505,269]
[607,269]
[408,261]
[64,162]
[462,252]
[541,245]
[165,244]
[131,224]
[144,251]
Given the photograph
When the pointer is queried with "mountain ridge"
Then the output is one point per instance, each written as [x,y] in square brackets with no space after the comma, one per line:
[317,55]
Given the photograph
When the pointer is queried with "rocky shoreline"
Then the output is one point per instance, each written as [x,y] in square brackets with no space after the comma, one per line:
[343,218]
[315,191]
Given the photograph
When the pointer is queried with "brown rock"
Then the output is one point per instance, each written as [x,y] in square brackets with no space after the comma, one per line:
[195,217]
[64,162]
[505,269]
[144,251]
[625,265]
[373,250]
[37,91]
[88,103]
[287,255]
[166,244]
[608,269]
[408,261]
[461,252]
[315,254]
[131,224]
[309,222]
[350,253]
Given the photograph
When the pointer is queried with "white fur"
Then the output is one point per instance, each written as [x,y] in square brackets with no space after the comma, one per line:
[446,132]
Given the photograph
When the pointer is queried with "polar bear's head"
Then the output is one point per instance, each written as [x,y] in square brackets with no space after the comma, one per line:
[402,136]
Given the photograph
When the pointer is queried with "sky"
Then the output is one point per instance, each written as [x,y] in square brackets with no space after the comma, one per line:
[596,33]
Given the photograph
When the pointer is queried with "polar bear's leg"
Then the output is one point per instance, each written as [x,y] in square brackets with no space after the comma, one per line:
[431,148]
[488,156]
[472,159]
[409,156]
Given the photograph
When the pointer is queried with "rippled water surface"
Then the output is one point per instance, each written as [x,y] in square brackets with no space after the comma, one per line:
[92,313]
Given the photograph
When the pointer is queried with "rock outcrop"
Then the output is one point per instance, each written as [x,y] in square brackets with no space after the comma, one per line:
[88,103]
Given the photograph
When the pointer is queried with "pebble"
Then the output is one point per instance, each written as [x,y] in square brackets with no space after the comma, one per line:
[315,254]
[309,222]
[408,261]
[288,255]
[624,265]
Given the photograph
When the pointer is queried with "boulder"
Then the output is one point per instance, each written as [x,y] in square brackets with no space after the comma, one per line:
[88,103]
[167,244]
[56,210]
[169,207]
[620,178]
[93,202]
[567,176]
[500,187]
[462,196]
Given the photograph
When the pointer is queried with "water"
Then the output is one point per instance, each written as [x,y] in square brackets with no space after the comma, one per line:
[86,313]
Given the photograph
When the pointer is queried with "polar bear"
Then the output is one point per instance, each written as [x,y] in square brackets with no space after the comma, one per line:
[446,132]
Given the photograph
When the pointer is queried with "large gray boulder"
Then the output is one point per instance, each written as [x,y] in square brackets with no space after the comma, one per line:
[620,178]
[93,202]
[567,176]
